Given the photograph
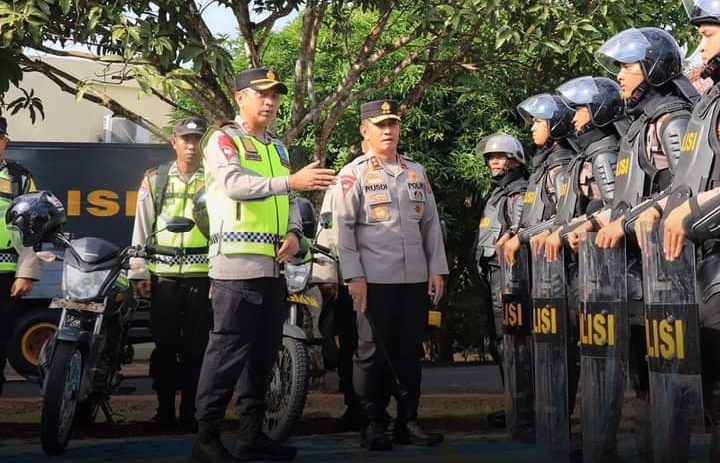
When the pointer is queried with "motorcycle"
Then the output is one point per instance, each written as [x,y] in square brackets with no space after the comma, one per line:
[80,365]
[301,358]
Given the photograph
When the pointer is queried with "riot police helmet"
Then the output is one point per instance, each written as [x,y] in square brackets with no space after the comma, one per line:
[703,11]
[502,143]
[551,108]
[600,95]
[33,217]
[655,49]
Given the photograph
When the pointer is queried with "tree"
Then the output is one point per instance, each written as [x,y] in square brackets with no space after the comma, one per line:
[168,48]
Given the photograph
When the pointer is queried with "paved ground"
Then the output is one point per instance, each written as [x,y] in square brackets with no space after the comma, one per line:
[320,449]
[483,379]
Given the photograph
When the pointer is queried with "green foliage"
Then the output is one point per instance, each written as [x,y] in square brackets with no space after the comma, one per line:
[482,58]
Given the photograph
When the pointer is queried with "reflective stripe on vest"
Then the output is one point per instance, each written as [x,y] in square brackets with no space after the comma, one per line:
[249,226]
[178,201]
[8,255]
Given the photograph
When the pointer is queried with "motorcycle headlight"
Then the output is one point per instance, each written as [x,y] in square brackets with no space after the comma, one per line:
[79,285]
[297,276]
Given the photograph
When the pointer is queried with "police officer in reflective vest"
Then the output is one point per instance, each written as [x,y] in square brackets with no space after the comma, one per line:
[255,225]
[177,285]
[17,272]
[392,256]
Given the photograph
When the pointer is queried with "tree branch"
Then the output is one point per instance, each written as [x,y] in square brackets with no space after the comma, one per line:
[61,79]
[242,14]
[195,20]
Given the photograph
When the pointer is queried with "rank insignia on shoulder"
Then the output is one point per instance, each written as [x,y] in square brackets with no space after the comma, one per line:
[251,154]
[284,160]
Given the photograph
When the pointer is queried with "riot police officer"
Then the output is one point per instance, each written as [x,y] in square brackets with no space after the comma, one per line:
[551,121]
[504,157]
[177,285]
[658,99]
[392,256]
[698,217]
[255,225]
[18,268]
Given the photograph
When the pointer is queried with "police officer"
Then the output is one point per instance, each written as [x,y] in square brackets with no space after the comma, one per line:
[177,284]
[698,216]
[505,159]
[255,225]
[17,272]
[551,127]
[658,99]
[392,256]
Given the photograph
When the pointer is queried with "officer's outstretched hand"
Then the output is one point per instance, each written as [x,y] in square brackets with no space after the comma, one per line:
[674,233]
[311,177]
[290,246]
[21,287]
[610,235]
[436,287]
[538,241]
[358,291]
[645,221]
[511,248]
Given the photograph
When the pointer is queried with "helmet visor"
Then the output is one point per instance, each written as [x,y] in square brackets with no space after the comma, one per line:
[579,91]
[698,9]
[628,46]
[541,106]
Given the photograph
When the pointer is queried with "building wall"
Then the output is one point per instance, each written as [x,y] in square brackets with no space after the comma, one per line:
[78,121]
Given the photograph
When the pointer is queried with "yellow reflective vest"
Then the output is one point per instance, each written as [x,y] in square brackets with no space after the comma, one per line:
[9,189]
[249,226]
[191,246]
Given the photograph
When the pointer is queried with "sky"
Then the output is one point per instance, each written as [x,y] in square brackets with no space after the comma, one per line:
[221,20]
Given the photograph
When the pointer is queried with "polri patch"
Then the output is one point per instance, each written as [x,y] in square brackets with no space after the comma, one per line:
[227,147]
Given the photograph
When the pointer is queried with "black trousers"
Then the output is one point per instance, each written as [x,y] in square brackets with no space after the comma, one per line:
[180,322]
[9,311]
[346,330]
[399,312]
[248,316]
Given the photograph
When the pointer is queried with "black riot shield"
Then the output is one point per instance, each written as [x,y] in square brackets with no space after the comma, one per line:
[604,346]
[517,346]
[550,344]
[673,348]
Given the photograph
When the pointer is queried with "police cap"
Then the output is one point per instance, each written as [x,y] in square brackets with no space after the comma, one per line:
[379,110]
[260,79]
[190,126]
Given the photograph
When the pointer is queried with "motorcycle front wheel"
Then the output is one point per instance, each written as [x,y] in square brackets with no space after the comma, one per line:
[60,401]
[287,390]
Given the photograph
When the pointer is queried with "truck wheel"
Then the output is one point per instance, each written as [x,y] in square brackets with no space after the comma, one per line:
[32,329]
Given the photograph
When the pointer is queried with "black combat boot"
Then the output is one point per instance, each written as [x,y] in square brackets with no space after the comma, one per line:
[411,433]
[164,419]
[254,445]
[375,438]
[208,448]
